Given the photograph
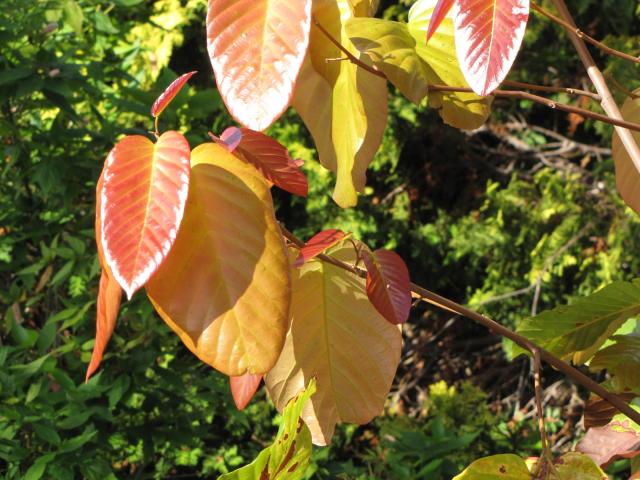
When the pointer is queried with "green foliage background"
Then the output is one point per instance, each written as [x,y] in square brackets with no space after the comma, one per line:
[77,74]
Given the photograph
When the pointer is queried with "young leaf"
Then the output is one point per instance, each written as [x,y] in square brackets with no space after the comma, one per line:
[506,467]
[243,388]
[229,139]
[611,442]
[288,456]
[580,329]
[441,10]
[388,285]
[169,94]
[318,244]
[488,37]
[343,106]
[142,202]
[256,49]
[337,337]
[225,286]
[627,176]
[622,362]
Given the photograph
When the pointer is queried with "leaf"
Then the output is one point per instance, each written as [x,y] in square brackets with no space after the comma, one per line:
[576,466]
[622,362]
[225,286]
[338,338]
[388,285]
[599,412]
[606,444]
[627,175]
[442,8]
[288,456]
[229,139]
[507,467]
[273,160]
[319,243]
[73,16]
[488,37]
[142,203]
[169,93]
[343,106]
[243,388]
[256,48]
[580,329]
[460,110]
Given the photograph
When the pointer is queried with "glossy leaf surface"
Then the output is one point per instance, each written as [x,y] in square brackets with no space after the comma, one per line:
[142,203]
[169,94]
[388,285]
[488,37]
[225,286]
[319,243]
[338,338]
[256,48]
[627,176]
[243,388]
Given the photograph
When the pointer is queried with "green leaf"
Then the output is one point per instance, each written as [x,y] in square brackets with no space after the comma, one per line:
[39,466]
[103,23]
[73,16]
[13,75]
[288,456]
[497,467]
[47,433]
[577,331]
[576,466]
[622,362]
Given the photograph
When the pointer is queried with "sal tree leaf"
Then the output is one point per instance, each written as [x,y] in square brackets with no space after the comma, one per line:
[388,285]
[609,443]
[503,467]
[627,176]
[225,286]
[488,37]
[574,465]
[288,456]
[142,202]
[229,139]
[337,337]
[256,49]
[243,388]
[622,362]
[580,329]
[343,106]
[169,94]
[442,8]
[319,243]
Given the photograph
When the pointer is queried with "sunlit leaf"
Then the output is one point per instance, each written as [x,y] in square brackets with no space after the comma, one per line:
[442,8]
[576,466]
[622,362]
[169,94]
[319,243]
[256,49]
[288,456]
[388,284]
[579,330]
[243,388]
[488,37]
[143,198]
[343,106]
[627,176]
[496,467]
[337,337]
[225,286]
[611,442]
[229,139]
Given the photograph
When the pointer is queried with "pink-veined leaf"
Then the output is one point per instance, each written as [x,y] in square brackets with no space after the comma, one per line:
[229,139]
[243,388]
[388,285]
[439,13]
[488,37]
[142,203]
[169,94]
[319,243]
[256,48]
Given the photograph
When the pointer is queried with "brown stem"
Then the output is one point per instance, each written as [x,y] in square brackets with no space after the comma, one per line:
[496,328]
[544,88]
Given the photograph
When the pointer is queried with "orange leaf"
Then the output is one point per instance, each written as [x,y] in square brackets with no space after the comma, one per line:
[142,202]
[388,285]
[488,36]
[318,244]
[169,94]
[439,14]
[256,49]
[243,388]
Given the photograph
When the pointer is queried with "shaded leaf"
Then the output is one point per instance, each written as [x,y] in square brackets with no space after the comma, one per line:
[622,362]
[627,175]
[143,199]
[609,443]
[599,412]
[256,48]
[318,244]
[507,467]
[169,93]
[338,338]
[225,286]
[243,388]
[388,284]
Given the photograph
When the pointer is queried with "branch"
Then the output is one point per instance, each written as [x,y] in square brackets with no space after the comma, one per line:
[451,306]
[544,88]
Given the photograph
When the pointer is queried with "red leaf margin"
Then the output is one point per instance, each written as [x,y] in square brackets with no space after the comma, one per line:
[169,93]
[243,388]
[440,12]
[319,243]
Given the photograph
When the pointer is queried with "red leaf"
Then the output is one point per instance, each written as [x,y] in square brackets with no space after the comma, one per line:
[488,36]
[169,94]
[256,49]
[273,160]
[142,202]
[319,243]
[439,13]
[388,285]
[109,295]
[230,138]
[243,388]
[607,444]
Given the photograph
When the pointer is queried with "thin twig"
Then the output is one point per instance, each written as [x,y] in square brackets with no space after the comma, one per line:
[548,89]
[537,387]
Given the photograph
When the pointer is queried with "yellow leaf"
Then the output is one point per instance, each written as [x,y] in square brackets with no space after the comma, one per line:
[627,176]
[225,287]
[338,338]
[343,106]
